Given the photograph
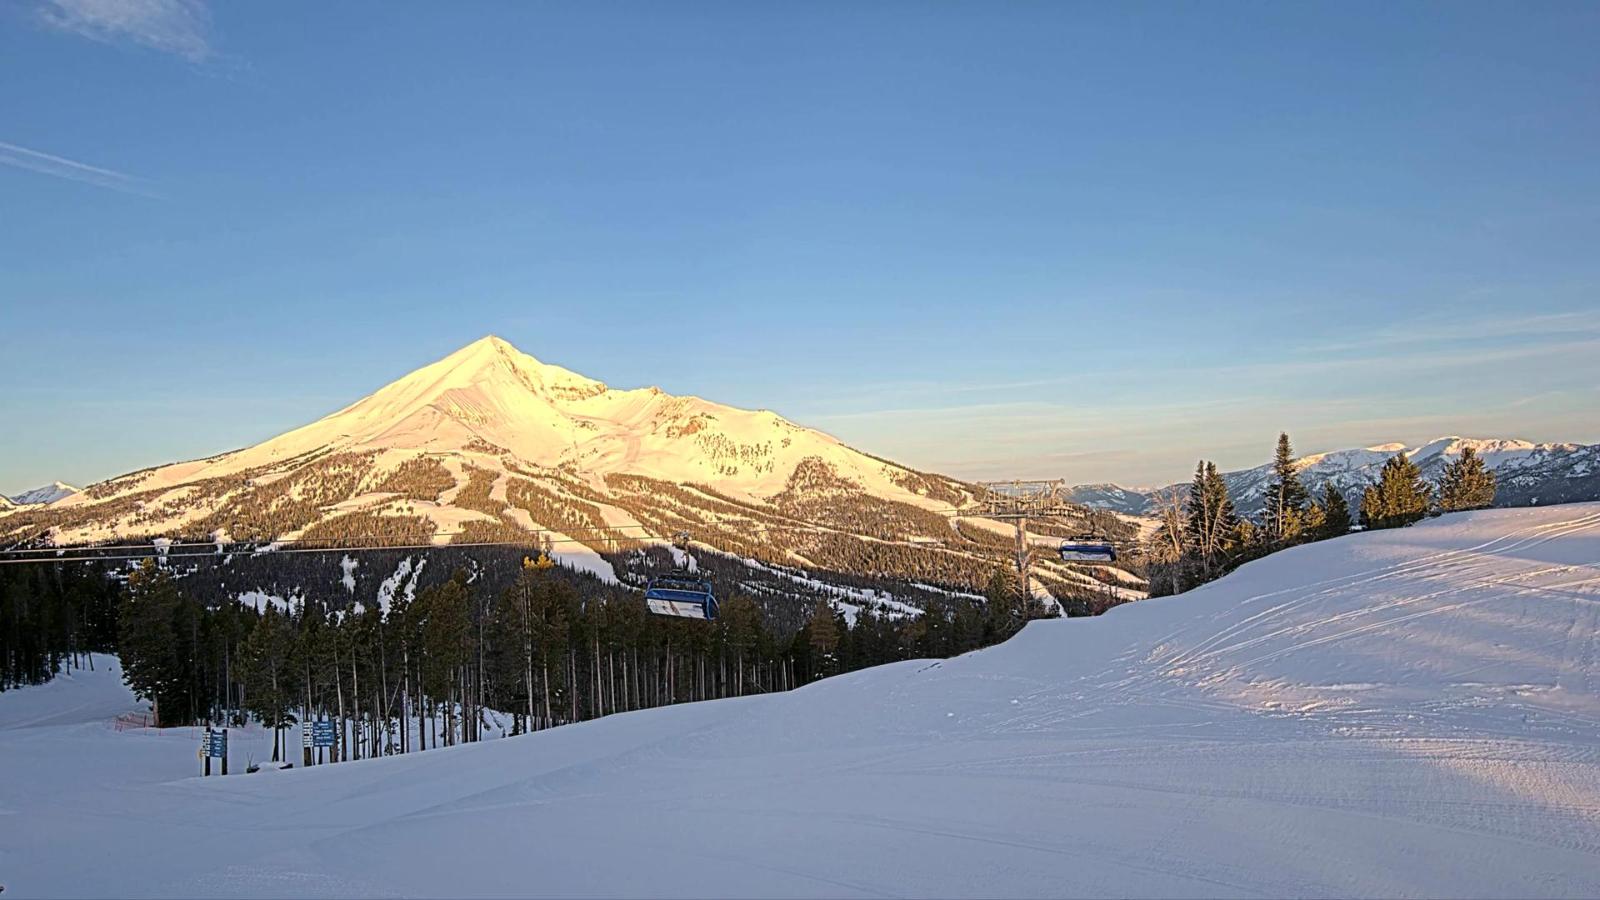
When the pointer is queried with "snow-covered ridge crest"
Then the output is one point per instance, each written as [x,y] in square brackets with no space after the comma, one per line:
[1528,472]
[50,493]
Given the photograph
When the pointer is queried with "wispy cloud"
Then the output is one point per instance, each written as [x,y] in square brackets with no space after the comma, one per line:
[1446,328]
[72,170]
[179,27]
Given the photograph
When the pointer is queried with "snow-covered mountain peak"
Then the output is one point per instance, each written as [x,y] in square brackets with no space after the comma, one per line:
[489,407]
[49,493]
[492,364]
[1453,445]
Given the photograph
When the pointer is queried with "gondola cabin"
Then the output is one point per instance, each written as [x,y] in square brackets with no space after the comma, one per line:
[683,595]
[1088,551]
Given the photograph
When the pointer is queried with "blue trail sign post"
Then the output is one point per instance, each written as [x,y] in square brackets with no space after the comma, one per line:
[318,736]
[215,744]
[324,736]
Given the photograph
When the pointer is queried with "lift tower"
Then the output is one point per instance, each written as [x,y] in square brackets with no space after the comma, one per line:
[1017,502]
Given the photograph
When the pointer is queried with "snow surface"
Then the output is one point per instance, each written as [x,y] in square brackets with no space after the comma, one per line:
[349,566]
[403,581]
[260,600]
[1395,713]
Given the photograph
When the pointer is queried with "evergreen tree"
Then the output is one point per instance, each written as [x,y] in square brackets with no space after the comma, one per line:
[1004,606]
[1371,506]
[1335,512]
[1247,538]
[1399,498]
[1466,483]
[147,637]
[823,635]
[444,646]
[515,627]
[268,651]
[1314,524]
[551,628]
[1286,497]
[1211,519]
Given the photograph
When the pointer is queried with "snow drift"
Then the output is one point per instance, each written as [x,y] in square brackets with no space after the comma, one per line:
[1405,713]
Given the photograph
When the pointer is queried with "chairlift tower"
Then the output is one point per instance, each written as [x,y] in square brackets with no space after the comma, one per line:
[1016,502]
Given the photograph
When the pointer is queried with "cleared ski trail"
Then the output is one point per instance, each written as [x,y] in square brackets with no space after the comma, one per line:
[1404,713]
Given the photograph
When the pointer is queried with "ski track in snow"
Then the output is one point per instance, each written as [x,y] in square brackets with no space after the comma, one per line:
[1400,713]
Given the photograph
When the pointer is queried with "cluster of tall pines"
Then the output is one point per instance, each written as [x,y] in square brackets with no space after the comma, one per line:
[1202,536]
[53,617]
[454,663]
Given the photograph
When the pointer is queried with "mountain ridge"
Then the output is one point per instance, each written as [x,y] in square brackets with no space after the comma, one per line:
[49,493]
[1529,473]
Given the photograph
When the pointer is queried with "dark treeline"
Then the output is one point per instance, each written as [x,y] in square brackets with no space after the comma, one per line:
[52,616]
[455,661]
[1202,537]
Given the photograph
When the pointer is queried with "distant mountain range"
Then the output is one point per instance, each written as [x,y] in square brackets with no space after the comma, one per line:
[50,493]
[490,445]
[1528,474]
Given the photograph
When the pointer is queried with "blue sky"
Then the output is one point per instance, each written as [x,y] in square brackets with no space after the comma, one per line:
[1091,241]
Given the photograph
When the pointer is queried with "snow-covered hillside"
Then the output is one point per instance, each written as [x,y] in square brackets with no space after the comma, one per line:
[1399,713]
[50,493]
[1528,473]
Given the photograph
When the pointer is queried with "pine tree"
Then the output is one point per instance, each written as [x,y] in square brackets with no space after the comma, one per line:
[1335,512]
[1212,522]
[740,625]
[1466,483]
[1286,497]
[823,635]
[148,642]
[515,627]
[1314,524]
[1247,538]
[1399,498]
[444,638]
[267,665]
[1004,609]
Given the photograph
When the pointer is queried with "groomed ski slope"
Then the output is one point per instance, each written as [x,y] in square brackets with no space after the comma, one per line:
[1409,713]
